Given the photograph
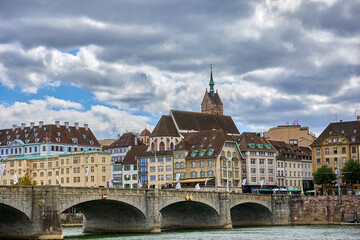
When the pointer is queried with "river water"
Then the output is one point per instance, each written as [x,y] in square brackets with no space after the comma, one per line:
[308,232]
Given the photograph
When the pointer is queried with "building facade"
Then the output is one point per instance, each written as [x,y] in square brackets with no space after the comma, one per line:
[210,157]
[291,134]
[130,166]
[260,162]
[49,139]
[118,149]
[338,143]
[77,169]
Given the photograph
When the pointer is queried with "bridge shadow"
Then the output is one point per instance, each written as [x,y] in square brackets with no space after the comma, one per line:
[13,221]
[250,214]
[189,215]
[111,216]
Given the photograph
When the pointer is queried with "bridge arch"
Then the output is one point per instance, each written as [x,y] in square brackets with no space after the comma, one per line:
[250,214]
[189,214]
[12,220]
[110,216]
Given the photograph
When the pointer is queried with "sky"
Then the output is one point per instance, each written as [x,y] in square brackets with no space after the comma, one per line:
[119,65]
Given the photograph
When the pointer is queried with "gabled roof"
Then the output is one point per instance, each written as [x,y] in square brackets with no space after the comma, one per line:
[345,129]
[253,142]
[204,141]
[284,149]
[194,121]
[55,134]
[213,99]
[126,140]
[165,128]
[133,153]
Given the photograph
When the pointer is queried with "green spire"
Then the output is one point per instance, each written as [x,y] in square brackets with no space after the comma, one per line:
[211,82]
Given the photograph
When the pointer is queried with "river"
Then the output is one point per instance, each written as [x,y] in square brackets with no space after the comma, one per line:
[308,232]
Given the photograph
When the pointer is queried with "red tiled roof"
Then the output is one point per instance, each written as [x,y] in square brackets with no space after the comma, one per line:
[127,139]
[55,134]
[133,153]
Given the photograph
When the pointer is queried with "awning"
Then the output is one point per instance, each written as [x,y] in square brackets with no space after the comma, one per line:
[192,180]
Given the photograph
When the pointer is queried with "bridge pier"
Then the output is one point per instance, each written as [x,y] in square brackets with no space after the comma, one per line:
[225,214]
[153,216]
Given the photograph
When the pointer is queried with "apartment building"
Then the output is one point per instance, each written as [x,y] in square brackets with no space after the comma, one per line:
[338,143]
[209,156]
[156,169]
[130,166]
[46,139]
[77,169]
[259,161]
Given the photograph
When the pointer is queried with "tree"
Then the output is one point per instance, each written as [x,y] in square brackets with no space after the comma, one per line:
[26,181]
[324,175]
[351,172]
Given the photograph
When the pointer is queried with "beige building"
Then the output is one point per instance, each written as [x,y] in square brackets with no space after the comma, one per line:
[338,143]
[209,156]
[70,169]
[156,169]
[291,134]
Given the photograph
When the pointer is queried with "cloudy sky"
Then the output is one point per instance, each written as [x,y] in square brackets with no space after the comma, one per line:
[120,65]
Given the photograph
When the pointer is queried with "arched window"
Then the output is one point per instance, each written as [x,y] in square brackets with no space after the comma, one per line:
[152,147]
[162,146]
[171,146]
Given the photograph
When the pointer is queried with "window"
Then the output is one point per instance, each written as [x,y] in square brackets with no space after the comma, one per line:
[343,150]
[152,159]
[344,159]
[193,164]
[168,167]
[210,163]
[160,168]
[327,160]
[271,179]
[335,150]
[253,161]
[326,151]
[168,159]
[262,170]
[253,179]
[317,151]
[160,159]
[270,161]
[271,171]
[253,170]
[353,149]
[177,165]
[182,165]
[261,161]
[193,174]
[168,177]
[335,161]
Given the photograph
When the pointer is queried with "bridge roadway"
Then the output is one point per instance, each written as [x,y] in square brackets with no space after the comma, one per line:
[34,212]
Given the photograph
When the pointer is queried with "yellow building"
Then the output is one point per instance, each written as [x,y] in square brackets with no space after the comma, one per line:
[291,134]
[77,169]
[338,143]
[209,156]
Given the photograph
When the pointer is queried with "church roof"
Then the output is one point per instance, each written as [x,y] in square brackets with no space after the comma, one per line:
[213,99]
[165,128]
[145,132]
[194,121]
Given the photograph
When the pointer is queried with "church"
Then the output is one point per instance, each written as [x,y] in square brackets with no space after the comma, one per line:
[172,128]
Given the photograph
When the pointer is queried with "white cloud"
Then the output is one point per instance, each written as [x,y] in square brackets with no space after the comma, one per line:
[105,122]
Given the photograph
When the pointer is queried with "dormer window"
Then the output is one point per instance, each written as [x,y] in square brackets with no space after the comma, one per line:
[342,131]
[193,153]
[330,132]
[58,139]
[58,133]
[202,152]
[268,146]
[84,135]
[205,138]
[214,137]
[36,139]
[329,140]
[35,134]
[17,136]
[7,132]
[26,135]
[74,140]
[25,130]
[251,145]
[8,137]
[354,130]
[193,146]
[210,145]
[16,131]
[259,146]
[210,152]
[202,145]
[91,142]
[44,128]
[26,140]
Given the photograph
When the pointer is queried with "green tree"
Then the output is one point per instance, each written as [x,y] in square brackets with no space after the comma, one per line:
[26,181]
[350,173]
[324,175]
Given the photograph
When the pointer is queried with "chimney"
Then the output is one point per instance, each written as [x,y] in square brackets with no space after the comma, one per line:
[86,126]
[76,126]
[358,118]
[31,125]
[57,123]
[23,126]
[41,124]
[136,140]
[14,126]
[66,125]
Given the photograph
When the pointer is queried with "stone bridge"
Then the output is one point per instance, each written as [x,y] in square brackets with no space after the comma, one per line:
[34,212]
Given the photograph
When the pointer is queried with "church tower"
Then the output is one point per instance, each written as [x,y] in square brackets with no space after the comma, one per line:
[211,102]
